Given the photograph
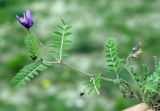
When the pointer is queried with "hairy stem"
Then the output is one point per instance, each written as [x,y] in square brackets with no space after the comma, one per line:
[126,66]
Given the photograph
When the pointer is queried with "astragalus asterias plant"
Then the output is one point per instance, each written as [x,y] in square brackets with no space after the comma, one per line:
[145,87]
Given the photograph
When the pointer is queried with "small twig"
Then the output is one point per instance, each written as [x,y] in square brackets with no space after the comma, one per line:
[76,69]
[94,83]
[126,66]
[51,62]
[61,48]
[88,74]
[108,79]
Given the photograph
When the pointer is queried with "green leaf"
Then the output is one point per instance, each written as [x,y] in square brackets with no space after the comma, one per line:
[152,81]
[58,33]
[27,73]
[59,27]
[63,22]
[60,44]
[94,84]
[156,62]
[67,34]
[112,59]
[31,45]
[146,71]
[68,27]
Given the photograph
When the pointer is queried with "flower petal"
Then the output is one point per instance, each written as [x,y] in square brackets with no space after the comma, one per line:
[30,23]
[18,18]
[24,20]
[28,14]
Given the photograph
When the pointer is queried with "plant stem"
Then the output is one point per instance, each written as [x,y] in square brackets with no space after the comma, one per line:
[51,62]
[61,48]
[108,79]
[88,74]
[126,66]
[114,64]
[94,83]
[76,69]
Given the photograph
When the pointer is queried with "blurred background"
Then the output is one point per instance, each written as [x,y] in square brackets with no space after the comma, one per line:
[93,22]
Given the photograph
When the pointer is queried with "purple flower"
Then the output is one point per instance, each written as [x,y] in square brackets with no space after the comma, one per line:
[26,20]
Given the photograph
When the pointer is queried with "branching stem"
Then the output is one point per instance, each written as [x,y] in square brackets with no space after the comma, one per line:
[83,72]
[88,74]
[76,69]
[126,66]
